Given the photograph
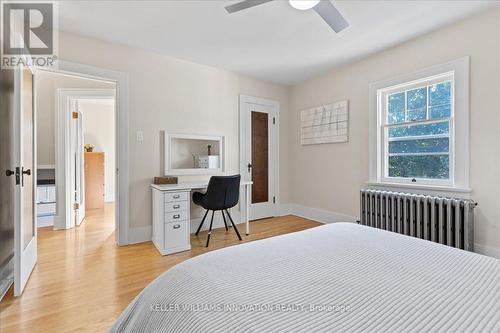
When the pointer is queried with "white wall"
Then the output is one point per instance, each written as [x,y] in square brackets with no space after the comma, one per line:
[99,130]
[175,95]
[167,93]
[329,177]
[46,89]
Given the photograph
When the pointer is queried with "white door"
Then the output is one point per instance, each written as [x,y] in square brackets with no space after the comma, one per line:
[259,163]
[25,233]
[77,165]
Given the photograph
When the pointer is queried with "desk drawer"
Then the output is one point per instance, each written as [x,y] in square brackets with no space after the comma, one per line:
[176,206]
[176,235]
[176,196]
[176,216]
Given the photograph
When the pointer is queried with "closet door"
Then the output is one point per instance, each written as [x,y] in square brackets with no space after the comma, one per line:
[94,180]
[261,158]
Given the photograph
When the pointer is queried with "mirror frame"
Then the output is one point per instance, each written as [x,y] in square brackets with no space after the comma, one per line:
[169,136]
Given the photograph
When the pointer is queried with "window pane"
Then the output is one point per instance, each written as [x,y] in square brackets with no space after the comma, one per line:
[396,108]
[420,166]
[438,145]
[418,130]
[442,111]
[418,114]
[416,99]
[440,94]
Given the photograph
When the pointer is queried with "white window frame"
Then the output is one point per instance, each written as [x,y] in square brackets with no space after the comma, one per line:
[458,70]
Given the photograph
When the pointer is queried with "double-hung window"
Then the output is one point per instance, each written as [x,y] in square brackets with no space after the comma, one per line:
[417,125]
[418,138]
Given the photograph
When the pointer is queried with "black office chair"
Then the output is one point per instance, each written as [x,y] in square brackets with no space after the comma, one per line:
[222,193]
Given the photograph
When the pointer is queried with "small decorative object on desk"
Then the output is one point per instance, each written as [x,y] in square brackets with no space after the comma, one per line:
[208,162]
[88,148]
[209,147]
[162,180]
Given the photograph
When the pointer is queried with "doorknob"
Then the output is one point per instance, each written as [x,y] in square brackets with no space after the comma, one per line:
[249,166]
[24,172]
[9,173]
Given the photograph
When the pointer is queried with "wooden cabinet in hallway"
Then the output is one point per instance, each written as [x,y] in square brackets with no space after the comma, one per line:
[94,180]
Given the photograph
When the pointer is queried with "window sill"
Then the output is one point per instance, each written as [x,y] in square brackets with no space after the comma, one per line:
[438,190]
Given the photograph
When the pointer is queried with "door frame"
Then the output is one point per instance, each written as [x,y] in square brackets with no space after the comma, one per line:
[121,138]
[245,102]
[78,144]
[64,97]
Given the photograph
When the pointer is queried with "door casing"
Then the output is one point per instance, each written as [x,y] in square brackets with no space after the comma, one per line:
[77,163]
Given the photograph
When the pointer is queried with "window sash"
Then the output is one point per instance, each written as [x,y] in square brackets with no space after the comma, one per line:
[419,137]
[416,86]
[418,154]
[385,126]
[418,122]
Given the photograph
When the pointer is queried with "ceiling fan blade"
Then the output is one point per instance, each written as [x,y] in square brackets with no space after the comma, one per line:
[331,15]
[244,5]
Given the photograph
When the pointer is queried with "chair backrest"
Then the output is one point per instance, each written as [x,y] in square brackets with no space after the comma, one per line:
[223,192]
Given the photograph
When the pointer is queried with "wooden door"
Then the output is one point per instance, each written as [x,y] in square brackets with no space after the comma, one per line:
[94,180]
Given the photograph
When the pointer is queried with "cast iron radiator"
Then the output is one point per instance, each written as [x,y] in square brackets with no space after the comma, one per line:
[449,221]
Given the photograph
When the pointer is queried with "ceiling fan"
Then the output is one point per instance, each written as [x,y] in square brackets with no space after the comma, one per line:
[324,8]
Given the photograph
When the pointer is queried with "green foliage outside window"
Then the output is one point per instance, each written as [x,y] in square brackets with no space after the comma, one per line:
[419,150]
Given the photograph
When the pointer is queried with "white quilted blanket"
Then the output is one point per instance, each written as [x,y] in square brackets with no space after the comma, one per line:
[339,277]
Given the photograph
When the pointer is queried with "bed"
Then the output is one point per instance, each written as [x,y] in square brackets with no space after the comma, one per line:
[337,277]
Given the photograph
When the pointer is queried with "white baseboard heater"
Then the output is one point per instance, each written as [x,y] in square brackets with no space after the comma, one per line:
[447,221]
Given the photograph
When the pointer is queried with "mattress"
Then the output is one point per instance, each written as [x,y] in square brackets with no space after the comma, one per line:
[337,277]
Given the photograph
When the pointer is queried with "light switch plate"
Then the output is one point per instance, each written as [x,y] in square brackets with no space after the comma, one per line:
[140,136]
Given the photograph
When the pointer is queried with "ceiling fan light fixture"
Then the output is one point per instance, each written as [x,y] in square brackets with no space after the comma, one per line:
[303,4]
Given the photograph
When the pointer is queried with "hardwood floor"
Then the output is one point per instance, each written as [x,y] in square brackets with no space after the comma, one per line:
[82,281]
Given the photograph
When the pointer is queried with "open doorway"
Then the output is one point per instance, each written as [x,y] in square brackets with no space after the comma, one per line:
[94,125]
[76,150]
[38,135]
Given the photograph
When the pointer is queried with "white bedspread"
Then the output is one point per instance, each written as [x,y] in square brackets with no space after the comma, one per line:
[339,277]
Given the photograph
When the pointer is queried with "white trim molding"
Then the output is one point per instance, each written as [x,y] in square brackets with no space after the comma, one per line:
[320,215]
[459,149]
[140,234]
[122,136]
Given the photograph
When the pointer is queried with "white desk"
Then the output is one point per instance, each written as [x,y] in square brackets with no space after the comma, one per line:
[171,214]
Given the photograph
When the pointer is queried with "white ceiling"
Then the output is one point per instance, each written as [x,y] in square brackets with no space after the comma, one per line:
[272,41]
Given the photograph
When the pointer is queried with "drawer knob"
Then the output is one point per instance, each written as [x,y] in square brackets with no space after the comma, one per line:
[176,196]
[177,226]
[177,206]
[176,216]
